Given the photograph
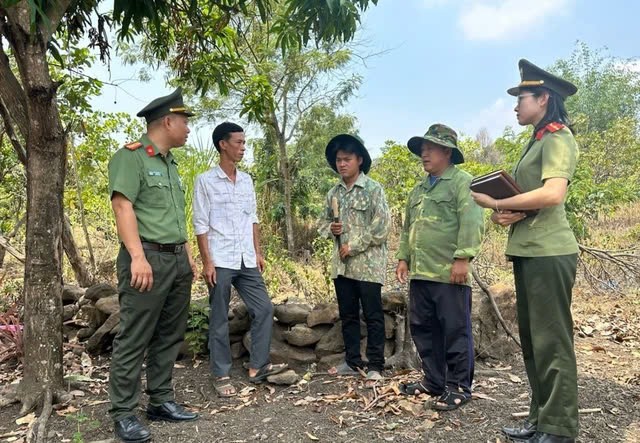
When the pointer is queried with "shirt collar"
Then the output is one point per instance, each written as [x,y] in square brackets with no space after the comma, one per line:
[360,181]
[152,150]
[223,175]
[446,175]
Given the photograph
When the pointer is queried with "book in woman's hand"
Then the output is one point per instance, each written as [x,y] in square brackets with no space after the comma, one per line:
[499,185]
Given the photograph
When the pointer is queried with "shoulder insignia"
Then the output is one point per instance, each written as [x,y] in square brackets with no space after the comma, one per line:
[554,126]
[551,127]
[150,151]
[133,146]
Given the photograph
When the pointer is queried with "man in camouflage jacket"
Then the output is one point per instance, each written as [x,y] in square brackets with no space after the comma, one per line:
[360,255]
[442,232]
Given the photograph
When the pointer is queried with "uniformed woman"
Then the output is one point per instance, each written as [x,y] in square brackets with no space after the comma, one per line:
[544,253]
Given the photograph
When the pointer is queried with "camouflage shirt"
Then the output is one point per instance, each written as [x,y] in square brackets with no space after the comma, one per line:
[365,221]
[441,223]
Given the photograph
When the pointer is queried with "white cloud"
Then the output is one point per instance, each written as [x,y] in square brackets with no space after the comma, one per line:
[494,118]
[505,19]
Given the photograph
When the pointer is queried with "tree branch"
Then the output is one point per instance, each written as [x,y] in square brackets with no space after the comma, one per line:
[8,126]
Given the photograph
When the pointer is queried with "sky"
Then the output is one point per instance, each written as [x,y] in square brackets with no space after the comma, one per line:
[445,61]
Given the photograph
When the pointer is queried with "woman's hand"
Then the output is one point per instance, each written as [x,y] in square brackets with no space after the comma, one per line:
[507,218]
[483,200]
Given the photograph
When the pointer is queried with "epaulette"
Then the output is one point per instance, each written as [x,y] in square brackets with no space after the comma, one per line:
[133,146]
[551,127]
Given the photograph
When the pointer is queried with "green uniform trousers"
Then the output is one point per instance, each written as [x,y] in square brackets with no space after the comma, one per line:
[543,293]
[154,322]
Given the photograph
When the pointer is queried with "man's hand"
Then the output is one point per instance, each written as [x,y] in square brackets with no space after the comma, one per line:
[402,271]
[336,228]
[506,218]
[261,263]
[459,271]
[141,274]
[209,273]
[344,251]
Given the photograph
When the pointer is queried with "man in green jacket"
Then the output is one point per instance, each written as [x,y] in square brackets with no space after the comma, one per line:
[155,268]
[442,232]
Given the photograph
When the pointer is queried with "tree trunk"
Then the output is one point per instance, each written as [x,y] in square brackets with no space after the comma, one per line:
[286,186]
[82,274]
[46,167]
[405,355]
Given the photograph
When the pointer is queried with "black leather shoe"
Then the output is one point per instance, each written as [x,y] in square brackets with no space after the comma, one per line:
[543,437]
[130,430]
[527,430]
[170,411]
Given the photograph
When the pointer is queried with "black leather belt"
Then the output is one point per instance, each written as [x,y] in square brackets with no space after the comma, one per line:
[172,248]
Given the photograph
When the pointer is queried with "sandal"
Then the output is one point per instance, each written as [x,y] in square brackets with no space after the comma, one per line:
[223,388]
[450,400]
[343,369]
[266,371]
[415,388]
[373,377]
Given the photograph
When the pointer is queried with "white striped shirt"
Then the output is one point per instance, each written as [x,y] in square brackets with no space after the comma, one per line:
[226,212]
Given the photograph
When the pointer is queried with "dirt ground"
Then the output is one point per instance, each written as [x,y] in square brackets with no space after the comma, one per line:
[343,410]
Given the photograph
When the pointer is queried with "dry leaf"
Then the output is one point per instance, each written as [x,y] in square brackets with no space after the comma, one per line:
[312,437]
[27,419]
[515,378]
[66,411]
[483,396]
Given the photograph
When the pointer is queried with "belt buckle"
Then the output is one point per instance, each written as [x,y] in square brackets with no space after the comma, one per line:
[178,249]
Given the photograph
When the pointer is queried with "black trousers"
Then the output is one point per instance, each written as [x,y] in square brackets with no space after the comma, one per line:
[440,320]
[351,293]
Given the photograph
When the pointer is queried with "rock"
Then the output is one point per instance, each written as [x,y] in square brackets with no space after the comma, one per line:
[237,350]
[240,311]
[239,325]
[71,294]
[276,336]
[102,337]
[489,337]
[302,335]
[394,301]
[389,326]
[234,338]
[90,317]
[292,313]
[115,330]
[68,311]
[331,360]
[101,290]
[281,352]
[83,301]
[323,315]
[331,342]
[284,353]
[85,333]
[284,378]
[109,305]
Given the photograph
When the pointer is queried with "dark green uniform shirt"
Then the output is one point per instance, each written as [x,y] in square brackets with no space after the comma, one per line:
[548,233]
[150,181]
[442,223]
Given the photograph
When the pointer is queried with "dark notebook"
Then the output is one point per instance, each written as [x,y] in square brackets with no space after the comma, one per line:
[499,185]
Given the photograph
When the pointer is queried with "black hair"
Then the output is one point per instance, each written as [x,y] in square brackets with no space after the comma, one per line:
[350,147]
[556,110]
[223,132]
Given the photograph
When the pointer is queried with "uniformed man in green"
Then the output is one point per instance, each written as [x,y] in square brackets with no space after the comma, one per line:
[155,268]
[442,233]
[544,253]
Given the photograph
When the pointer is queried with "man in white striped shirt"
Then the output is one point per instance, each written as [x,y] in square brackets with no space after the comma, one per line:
[226,226]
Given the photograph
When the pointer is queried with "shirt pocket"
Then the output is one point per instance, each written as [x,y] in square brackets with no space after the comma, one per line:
[438,207]
[159,191]
[358,213]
